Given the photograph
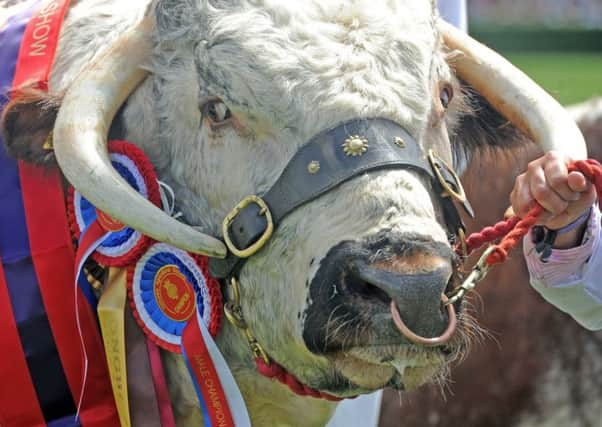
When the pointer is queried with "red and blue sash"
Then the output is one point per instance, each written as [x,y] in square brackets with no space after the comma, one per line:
[41,361]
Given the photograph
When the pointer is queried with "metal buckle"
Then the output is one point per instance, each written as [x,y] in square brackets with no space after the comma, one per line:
[437,163]
[251,250]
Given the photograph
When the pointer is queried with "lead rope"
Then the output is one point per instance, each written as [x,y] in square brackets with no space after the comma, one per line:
[275,371]
[511,232]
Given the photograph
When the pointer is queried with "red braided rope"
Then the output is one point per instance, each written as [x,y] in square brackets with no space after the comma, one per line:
[490,234]
[514,229]
[277,372]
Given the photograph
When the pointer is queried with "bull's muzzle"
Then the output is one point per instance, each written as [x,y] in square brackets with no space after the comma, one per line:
[384,290]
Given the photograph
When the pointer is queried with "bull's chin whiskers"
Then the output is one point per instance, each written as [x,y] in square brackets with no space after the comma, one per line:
[334,325]
[442,380]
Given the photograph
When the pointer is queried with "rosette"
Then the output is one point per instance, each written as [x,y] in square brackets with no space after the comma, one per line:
[123,245]
[166,287]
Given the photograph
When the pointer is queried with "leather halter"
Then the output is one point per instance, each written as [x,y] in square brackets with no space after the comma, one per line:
[329,159]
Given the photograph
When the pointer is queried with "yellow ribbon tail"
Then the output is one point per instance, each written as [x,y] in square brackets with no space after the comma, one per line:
[111,313]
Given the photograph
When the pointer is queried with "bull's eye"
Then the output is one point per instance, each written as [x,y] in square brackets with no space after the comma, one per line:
[446,95]
[217,112]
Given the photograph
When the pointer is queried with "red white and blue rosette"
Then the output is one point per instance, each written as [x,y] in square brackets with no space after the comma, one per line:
[123,245]
[167,287]
[173,298]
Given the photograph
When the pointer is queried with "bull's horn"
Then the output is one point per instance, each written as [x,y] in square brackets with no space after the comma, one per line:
[524,103]
[80,144]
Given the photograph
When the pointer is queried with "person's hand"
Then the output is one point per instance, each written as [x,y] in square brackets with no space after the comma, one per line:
[564,196]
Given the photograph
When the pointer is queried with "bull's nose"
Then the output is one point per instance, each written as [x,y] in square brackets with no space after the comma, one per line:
[415,296]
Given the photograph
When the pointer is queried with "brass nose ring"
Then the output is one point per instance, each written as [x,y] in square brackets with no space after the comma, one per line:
[417,339]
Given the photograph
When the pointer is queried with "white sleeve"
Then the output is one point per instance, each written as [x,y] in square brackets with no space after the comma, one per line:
[572,279]
[454,12]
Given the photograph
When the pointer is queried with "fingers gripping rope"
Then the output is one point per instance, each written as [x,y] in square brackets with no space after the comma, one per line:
[511,232]
[514,229]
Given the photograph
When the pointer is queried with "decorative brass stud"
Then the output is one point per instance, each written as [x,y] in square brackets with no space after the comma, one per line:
[399,142]
[313,167]
[355,145]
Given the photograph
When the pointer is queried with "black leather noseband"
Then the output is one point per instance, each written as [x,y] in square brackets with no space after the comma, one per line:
[326,161]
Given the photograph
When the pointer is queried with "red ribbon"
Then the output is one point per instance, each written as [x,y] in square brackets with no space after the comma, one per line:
[91,237]
[205,375]
[163,401]
[51,247]
[39,44]
[20,402]
[53,259]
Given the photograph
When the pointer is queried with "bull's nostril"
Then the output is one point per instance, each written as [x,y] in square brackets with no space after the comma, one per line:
[354,285]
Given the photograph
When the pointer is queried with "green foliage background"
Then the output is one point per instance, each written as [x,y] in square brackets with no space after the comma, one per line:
[567,63]
[569,76]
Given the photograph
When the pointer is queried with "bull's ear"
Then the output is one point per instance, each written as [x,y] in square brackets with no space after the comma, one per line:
[480,126]
[27,122]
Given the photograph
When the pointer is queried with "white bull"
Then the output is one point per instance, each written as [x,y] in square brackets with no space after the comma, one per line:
[220,95]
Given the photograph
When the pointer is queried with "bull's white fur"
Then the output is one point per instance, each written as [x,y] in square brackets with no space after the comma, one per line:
[287,70]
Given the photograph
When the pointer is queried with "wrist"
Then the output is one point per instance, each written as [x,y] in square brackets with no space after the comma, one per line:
[575,225]
[570,239]
[567,237]
[571,235]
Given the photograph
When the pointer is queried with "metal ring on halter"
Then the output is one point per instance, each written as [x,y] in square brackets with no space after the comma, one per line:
[417,339]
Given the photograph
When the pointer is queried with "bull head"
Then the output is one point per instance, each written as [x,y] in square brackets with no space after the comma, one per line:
[263,80]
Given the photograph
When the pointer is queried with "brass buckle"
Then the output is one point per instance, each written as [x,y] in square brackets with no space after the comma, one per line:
[437,163]
[251,250]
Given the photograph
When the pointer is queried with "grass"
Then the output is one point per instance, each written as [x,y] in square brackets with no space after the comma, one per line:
[569,76]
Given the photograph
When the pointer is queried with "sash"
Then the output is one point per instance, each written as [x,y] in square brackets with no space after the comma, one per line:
[40,359]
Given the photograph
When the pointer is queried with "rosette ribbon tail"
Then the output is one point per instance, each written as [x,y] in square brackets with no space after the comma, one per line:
[220,398]
[90,239]
[111,314]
